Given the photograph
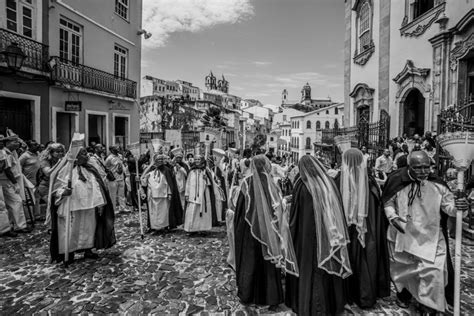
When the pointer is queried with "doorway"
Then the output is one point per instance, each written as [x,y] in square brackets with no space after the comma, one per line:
[97,129]
[121,131]
[16,114]
[65,127]
[414,113]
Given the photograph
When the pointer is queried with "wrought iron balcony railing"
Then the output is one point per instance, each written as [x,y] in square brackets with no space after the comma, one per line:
[67,72]
[36,52]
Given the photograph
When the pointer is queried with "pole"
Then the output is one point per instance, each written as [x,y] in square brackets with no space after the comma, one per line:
[139,198]
[457,250]
[244,136]
[68,216]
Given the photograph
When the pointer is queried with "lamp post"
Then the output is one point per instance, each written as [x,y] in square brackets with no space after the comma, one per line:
[14,56]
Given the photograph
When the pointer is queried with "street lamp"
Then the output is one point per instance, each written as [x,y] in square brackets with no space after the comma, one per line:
[14,56]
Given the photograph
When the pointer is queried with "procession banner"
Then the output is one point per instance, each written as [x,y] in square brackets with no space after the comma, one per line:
[135,149]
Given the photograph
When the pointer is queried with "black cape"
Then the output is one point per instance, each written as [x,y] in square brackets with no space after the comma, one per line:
[370,277]
[315,292]
[258,280]
[175,215]
[105,231]
[399,180]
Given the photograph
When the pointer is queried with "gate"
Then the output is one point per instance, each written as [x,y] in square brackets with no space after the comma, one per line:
[374,136]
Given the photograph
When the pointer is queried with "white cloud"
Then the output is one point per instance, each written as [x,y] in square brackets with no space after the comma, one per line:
[164,17]
[261,63]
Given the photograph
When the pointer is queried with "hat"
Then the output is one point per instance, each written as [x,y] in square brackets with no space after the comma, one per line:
[219,153]
[177,152]
[159,157]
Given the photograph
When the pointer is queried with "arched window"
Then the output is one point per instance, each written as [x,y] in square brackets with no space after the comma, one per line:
[308,124]
[327,111]
[308,143]
[364,27]
[336,111]
[326,125]
[318,125]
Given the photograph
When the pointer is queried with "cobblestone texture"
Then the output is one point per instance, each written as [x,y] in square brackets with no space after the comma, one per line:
[170,273]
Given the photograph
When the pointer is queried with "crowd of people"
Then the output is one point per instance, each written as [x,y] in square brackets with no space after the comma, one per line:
[313,237]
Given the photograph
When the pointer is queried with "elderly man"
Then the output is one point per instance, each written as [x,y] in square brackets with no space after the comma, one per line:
[116,187]
[417,205]
[10,184]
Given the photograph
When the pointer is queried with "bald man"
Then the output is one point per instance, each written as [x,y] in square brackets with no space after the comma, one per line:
[417,205]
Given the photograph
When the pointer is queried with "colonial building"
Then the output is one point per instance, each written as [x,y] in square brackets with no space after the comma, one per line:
[306,103]
[24,88]
[410,58]
[306,128]
[96,55]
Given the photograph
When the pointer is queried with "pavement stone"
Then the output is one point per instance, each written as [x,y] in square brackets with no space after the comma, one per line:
[168,273]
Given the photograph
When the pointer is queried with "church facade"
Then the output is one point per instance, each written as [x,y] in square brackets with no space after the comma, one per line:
[410,58]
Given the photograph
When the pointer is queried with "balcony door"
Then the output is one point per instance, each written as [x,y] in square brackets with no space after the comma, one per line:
[16,114]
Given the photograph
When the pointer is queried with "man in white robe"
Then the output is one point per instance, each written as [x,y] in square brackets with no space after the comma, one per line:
[116,187]
[414,203]
[159,194]
[198,193]
[91,214]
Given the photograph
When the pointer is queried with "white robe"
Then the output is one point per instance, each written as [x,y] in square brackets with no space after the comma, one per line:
[85,197]
[418,257]
[198,215]
[158,202]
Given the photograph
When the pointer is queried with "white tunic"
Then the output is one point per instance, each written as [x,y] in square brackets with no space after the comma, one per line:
[158,202]
[418,257]
[198,215]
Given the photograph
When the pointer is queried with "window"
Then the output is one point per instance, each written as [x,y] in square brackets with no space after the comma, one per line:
[326,125]
[419,7]
[121,8]
[284,118]
[20,17]
[327,111]
[271,139]
[308,143]
[364,27]
[308,124]
[69,41]
[318,125]
[336,111]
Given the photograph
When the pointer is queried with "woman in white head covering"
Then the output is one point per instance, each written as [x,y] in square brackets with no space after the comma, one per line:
[263,245]
[319,234]
[368,251]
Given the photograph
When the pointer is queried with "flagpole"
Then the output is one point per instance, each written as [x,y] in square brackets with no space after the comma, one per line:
[137,180]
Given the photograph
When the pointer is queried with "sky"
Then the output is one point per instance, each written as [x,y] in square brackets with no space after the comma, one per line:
[260,46]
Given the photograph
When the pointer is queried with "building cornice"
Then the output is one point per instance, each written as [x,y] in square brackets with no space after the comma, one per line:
[410,71]
[419,25]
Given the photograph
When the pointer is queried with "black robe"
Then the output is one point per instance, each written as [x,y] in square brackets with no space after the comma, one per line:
[370,277]
[105,230]
[399,180]
[258,280]
[315,292]
[175,215]
[220,176]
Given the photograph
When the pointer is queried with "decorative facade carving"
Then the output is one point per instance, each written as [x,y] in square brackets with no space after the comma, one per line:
[411,71]
[362,58]
[419,25]
[460,50]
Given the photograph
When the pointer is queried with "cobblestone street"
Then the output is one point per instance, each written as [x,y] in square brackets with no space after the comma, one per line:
[164,274]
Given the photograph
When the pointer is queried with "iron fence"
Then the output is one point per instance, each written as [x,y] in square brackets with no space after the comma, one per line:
[36,52]
[374,136]
[79,75]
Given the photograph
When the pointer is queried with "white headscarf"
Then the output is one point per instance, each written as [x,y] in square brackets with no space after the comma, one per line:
[331,230]
[267,220]
[355,190]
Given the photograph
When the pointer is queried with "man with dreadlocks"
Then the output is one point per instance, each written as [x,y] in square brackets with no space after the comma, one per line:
[164,205]
[263,245]
[320,238]
[83,193]
[417,204]
[368,251]
[201,203]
